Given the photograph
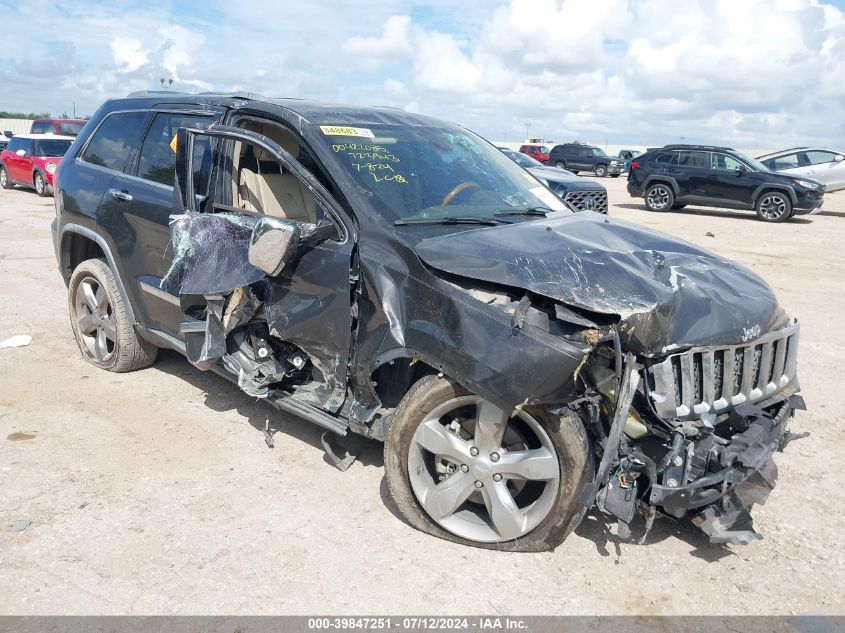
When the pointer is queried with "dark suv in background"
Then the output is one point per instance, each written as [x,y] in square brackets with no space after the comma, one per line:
[674,176]
[580,157]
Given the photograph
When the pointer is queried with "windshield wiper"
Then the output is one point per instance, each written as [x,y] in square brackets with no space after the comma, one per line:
[450,220]
[540,211]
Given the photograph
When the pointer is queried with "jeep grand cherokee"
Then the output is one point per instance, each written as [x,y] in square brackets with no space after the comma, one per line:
[387,274]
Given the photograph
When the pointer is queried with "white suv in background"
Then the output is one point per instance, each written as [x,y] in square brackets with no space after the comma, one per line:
[827,166]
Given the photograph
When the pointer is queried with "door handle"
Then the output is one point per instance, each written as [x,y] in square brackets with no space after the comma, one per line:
[118,194]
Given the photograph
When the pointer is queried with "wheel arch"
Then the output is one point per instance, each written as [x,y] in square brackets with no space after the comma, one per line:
[78,243]
[666,180]
[760,190]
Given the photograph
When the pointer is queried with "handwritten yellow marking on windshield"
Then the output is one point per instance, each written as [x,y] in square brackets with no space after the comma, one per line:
[351,147]
[374,156]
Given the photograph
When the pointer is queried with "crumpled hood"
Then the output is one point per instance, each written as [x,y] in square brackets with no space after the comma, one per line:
[668,293]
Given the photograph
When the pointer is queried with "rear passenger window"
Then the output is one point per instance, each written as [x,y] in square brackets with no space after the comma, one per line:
[692,159]
[114,140]
[670,158]
[158,160]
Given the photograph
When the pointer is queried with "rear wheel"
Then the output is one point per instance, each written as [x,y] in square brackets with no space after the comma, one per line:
[5,183]
[601,171]
[659,197]
[100,322]
[774,206]
[560,164]
[461,468]
[40,184]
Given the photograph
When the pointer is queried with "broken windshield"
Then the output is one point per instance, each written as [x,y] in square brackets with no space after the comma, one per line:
[421,172]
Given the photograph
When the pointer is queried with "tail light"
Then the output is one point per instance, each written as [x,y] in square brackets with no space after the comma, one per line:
[635,165]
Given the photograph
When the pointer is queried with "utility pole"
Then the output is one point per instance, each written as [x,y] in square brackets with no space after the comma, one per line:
[527,126]
[74,109]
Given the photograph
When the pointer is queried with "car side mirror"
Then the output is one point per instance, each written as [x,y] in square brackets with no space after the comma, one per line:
[21,153]
[741,170]
[273,244]
[8,133]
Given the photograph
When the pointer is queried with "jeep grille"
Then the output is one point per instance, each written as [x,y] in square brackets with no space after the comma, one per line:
[712,380]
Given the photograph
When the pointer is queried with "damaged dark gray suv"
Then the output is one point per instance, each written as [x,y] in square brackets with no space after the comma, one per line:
[387,274]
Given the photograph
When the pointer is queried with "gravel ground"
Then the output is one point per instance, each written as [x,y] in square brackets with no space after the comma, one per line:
[154,492]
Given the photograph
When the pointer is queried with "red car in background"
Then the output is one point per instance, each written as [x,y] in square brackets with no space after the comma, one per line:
[31,160]
[62,127]
[535,151]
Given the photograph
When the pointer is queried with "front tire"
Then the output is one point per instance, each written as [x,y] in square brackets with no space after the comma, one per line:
[601,171]
[560,164]
[659,197]
[5,183]
[40,185]
[774,206]
[460,469]
[100,321]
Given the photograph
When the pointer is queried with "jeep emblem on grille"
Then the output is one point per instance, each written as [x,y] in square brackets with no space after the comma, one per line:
[590,203]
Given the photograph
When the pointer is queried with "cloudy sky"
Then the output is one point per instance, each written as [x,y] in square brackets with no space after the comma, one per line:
[765,73]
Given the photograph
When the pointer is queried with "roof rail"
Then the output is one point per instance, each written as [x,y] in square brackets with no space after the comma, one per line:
[153,93]
[169,93]
[694,146]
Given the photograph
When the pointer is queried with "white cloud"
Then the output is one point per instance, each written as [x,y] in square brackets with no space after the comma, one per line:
[393,43]
[631,71]
[128,53]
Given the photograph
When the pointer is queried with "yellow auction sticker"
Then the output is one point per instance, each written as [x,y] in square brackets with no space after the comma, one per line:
[174,144]
[339,130]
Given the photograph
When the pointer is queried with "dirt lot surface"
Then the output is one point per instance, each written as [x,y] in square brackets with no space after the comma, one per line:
[154,492]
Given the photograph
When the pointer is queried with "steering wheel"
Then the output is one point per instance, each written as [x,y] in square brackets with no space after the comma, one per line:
[467,184]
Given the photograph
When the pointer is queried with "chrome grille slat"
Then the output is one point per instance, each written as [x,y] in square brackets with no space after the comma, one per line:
[714,379]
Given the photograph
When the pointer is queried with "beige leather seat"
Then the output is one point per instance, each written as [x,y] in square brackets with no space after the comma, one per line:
[280,195]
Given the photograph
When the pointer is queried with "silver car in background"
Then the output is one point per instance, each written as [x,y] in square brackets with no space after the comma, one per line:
[826,166]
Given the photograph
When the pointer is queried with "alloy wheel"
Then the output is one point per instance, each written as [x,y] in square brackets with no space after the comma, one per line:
[95,319]
[772,207]
[482,474]
[4,178]
[658,198]
[39,184]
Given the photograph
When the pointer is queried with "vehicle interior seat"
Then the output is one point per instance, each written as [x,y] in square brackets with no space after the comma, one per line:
[264,186]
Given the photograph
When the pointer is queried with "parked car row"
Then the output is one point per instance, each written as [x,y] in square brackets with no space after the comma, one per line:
[581,194]
[31,160]
[576,157]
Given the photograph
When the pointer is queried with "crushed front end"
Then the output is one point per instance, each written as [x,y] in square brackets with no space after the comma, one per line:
[696,435]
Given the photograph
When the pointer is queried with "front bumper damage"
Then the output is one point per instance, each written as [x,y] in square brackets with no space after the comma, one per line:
[712,475]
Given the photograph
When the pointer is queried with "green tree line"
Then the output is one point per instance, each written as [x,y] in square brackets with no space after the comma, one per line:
[24,115]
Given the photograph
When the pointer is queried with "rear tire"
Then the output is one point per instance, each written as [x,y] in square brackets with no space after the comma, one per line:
[546,515]
[659,197]
[100,321]
[601,171]
[5,183]
[560,164]
[774,206]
